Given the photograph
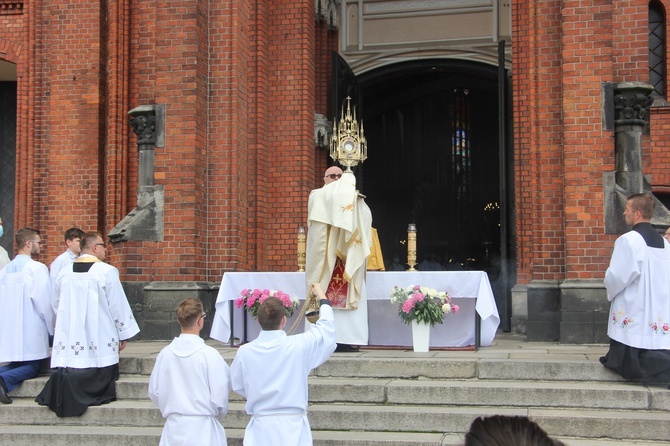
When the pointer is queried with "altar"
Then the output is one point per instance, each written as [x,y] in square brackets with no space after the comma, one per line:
[476,320]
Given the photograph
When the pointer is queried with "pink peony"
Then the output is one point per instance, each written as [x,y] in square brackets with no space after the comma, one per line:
[251,300]
[407,306]
[454,308]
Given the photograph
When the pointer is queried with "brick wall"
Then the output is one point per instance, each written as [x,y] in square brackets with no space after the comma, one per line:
[239,83]
[563,52]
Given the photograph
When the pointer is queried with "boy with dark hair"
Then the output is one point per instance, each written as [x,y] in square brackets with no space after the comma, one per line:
[72,240]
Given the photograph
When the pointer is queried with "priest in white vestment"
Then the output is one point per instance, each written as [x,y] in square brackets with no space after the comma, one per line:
[93,322]
[271,373]
[190,383]
[339,238]
[25,300]
[638,285]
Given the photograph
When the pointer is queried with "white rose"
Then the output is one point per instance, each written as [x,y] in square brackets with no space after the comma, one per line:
[446,308]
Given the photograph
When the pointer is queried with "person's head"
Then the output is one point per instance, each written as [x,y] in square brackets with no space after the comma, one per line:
[666,235]
[639,208]
[73,239]
[93,244]
[28,241]
[271,314]
[191,315]
[333,173]
[502,430]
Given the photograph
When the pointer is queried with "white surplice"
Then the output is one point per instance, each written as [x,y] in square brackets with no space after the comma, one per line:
[271,373]
[93,317]
[59,263]
[640,311]
[28,319]
[340,225]
[4,258]
[190,384]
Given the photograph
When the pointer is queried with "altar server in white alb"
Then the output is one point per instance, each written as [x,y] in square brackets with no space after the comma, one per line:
[190,384]
[93,321]
[271,373]
[638,285]
[73,241]
[28,319]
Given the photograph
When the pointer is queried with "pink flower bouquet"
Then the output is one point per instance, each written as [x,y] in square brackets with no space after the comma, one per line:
[252,299]
[422,304]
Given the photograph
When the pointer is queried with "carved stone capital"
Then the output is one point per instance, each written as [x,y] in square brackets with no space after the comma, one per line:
[631,103]
[321,131]
[328,11]
[143,123]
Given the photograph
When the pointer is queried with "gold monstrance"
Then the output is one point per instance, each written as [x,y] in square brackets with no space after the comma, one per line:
[348,145]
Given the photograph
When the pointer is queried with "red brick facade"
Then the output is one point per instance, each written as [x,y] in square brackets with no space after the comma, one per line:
[239,80]
[563,53]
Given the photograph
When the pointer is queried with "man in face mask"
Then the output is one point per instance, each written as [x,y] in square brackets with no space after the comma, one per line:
[4,258]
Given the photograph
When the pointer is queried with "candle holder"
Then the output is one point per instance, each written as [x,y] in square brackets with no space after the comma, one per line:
[411,246]
[302,248]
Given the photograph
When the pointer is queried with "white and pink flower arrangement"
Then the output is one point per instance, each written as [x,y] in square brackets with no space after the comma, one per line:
[251,300]
[422,304]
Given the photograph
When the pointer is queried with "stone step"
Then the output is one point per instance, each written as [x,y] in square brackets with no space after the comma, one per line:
[576,394]
[149,436]
[577,423]
[450,368]
[455,366]
[582,423]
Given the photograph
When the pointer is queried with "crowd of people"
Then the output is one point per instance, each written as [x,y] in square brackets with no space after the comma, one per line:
[79,309]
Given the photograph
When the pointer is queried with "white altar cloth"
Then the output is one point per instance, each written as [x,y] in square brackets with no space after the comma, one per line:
[470,290]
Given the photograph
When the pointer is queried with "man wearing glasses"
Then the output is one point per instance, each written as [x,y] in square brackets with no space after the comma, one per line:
[93,321]
[25,299]
[339,239]
[333,173]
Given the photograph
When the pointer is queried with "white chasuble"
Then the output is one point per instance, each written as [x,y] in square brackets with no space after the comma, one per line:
[93,317]
[25,299]
[190,384]
[340,226]
[640,311]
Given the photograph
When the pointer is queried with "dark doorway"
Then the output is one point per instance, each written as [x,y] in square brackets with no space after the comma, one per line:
[433,160]
[7,162]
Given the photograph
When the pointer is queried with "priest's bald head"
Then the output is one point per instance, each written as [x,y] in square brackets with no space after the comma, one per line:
[271,315]
[333,173]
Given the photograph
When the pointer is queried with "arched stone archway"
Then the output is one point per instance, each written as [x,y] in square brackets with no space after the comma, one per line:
[434,151]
